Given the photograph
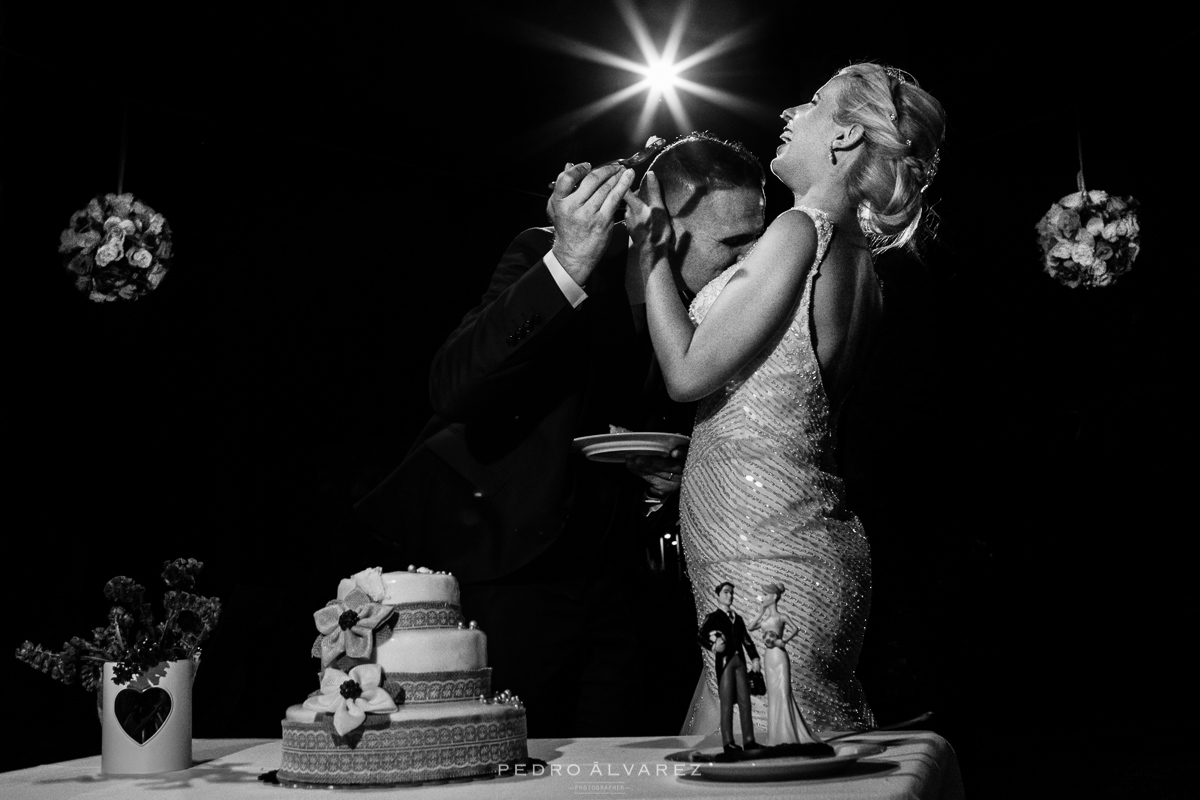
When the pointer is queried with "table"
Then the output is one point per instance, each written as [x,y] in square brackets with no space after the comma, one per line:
[916,764]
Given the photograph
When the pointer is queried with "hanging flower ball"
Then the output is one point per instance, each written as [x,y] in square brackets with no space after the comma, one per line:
[1089,238]
[118,248]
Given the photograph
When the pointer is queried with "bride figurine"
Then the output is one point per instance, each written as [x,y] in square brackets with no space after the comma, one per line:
[785,723]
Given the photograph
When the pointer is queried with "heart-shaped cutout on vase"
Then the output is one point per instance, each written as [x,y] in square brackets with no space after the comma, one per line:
[141,714]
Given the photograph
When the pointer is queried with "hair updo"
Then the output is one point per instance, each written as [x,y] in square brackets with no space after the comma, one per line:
[903,127]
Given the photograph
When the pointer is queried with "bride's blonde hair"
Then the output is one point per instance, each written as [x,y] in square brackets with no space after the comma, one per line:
[903,127]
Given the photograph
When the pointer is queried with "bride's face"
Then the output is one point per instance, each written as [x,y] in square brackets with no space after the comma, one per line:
[808,131]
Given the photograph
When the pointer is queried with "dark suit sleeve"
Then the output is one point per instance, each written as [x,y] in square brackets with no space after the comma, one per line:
[506,336]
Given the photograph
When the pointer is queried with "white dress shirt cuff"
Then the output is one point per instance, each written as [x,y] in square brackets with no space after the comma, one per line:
[570,289]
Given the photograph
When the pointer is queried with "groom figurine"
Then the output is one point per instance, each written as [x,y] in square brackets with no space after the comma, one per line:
[724,632]
[549,547]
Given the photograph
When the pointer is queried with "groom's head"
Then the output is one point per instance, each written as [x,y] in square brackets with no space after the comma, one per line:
[713,190]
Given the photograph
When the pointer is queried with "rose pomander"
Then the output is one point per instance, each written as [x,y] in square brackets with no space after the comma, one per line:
[118,248]
[1089,238]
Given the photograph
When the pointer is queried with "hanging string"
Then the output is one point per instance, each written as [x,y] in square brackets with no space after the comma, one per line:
[1079,147]
[124,145]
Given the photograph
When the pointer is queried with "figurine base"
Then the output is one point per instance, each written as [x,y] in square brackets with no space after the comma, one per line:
[760,752]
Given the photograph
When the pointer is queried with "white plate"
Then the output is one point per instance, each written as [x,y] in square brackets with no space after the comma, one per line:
[787,769]
[616,447]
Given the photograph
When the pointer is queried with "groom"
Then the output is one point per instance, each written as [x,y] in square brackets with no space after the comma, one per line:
[547,545]
[724,632]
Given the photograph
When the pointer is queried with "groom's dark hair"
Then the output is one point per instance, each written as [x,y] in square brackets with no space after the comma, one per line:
[721,586]
[701,162]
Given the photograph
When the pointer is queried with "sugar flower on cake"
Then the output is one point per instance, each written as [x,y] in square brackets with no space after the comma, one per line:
[347,625]
[369,581]
[351,696]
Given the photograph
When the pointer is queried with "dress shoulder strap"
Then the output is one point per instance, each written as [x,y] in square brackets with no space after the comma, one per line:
[824,228]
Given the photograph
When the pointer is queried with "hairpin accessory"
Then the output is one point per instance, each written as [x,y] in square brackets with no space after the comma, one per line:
[897,74]
[892,116]
[932,168]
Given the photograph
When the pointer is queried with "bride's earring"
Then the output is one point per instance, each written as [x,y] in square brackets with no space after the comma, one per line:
[832,157]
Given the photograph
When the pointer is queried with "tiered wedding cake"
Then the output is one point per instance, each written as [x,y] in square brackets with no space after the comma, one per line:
[405,690]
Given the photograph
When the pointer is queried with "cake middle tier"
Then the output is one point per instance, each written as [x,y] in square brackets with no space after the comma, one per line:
[432,650]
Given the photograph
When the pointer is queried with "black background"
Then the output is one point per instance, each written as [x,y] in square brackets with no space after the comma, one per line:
[340,184]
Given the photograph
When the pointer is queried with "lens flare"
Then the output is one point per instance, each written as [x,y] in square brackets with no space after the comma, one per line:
[661,74]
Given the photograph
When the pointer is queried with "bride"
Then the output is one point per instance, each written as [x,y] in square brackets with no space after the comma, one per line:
[785,723]
[771,347]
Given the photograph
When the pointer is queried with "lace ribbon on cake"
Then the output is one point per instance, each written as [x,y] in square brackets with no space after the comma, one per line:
[440,687]
[426,615]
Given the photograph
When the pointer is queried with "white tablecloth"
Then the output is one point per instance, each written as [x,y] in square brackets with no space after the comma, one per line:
[916,765]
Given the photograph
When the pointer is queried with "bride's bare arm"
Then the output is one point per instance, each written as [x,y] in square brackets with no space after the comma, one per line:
[697,360]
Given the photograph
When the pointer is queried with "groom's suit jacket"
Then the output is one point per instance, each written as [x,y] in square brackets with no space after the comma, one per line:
[491,481]
[737,639]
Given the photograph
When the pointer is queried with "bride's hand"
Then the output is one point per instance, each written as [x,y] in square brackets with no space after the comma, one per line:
[647,222]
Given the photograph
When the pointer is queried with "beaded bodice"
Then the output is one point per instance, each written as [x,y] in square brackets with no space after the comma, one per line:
[779,395]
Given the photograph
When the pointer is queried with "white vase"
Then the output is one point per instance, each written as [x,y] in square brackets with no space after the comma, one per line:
[147,723]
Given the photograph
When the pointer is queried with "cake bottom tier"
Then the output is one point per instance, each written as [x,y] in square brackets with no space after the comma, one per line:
[435,742]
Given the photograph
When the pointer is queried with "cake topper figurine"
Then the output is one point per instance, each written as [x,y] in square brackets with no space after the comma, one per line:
[724,633]
[785,723]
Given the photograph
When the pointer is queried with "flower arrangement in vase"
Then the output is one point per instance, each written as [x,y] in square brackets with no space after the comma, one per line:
[142,670]
[132,638]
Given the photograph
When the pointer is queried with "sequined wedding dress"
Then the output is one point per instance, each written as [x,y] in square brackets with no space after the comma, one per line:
[760,503]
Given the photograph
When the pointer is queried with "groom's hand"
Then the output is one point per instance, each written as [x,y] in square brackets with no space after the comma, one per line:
[583,207]
[663,473]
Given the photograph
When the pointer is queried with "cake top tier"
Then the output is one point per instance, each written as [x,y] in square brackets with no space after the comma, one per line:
[419,586]
[415,586]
